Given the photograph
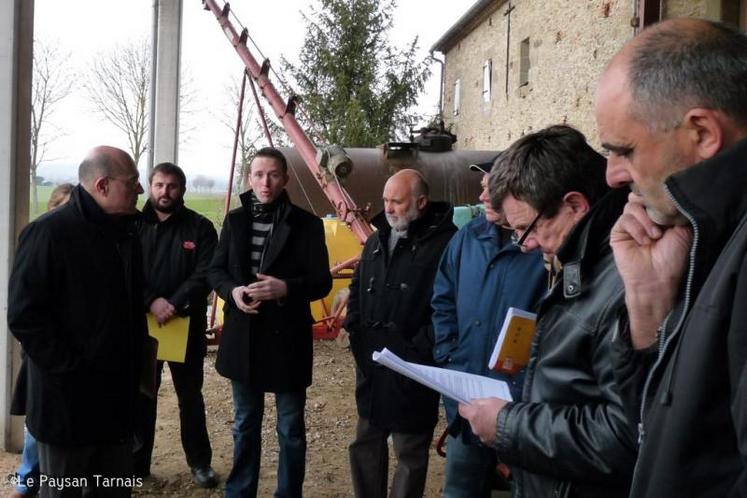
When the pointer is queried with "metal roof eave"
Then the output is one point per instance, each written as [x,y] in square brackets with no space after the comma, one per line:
[480,10]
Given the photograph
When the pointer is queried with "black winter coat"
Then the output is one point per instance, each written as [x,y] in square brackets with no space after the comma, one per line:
[390,307]
[176,256]
[75,304]
[694,399]
[569,437]
[271,351]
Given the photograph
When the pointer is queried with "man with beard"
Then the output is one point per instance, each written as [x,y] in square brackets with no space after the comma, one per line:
[178,245]
[390,307]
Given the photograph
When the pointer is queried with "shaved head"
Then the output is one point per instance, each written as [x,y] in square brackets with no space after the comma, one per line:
[101,161]
[413,179]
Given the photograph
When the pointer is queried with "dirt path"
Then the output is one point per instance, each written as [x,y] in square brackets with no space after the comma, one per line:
[330,422]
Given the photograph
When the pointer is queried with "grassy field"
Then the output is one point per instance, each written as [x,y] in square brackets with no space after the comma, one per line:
[210,205]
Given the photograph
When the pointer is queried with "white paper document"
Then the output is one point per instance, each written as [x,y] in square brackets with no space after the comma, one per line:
[460,386]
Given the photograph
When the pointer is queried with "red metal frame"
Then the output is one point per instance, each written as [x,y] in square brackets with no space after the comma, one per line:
[343,204]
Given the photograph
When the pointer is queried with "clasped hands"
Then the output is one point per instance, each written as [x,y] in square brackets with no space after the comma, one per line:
[248,298]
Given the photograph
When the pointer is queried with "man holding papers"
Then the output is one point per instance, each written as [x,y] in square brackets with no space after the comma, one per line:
[178,244]
[480,276]
[568,435]
[390,307]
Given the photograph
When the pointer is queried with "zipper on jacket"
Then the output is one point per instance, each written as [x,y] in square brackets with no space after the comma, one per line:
[664,338]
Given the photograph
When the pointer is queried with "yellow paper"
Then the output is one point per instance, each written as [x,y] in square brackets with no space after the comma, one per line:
[511,352]
[171,337]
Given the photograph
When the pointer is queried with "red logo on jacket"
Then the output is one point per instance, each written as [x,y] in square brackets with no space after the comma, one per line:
[189,245]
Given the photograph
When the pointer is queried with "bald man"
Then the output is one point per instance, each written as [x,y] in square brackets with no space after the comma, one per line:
[390,308]
[75,304]
[671,109]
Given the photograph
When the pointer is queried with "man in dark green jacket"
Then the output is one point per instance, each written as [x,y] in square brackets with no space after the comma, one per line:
[178,245]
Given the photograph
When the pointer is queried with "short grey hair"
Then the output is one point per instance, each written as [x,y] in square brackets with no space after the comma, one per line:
[675,67]
[95,166]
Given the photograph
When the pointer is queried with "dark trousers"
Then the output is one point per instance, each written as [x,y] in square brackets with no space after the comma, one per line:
[187,377]
[86,471]
[369,462]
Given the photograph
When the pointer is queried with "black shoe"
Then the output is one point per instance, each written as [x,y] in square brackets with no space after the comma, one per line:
[205,477]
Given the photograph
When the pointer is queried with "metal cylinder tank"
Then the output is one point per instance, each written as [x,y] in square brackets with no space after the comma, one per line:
[447,173]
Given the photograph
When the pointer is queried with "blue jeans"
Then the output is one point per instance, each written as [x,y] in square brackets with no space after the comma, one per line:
[470,469]
[29,467]
[249,406]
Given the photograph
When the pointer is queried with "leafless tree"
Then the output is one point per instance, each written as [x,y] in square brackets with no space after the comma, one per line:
[119,87]
[51,83]
[118,84]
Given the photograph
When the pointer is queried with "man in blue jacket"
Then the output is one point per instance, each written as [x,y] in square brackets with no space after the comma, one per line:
[480,276]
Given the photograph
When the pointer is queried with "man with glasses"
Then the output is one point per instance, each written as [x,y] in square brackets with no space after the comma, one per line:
[568,435]
[480,276]
[76,306]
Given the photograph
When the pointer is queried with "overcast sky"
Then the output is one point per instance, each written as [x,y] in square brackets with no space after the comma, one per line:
[88,27]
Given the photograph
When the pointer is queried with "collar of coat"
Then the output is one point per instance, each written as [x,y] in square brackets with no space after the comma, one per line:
[86,205]
[436,218]
[588,242]
[712,193]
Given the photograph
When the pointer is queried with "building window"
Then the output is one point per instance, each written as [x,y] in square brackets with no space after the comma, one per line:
[487,80]
[456,97]
[734,13]
[524,63]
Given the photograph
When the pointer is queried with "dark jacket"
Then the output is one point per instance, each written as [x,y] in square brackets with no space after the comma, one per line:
[480,276]
[693,435]
[270,351]
[176,256]
[75,304]
[569,437]
[390,307]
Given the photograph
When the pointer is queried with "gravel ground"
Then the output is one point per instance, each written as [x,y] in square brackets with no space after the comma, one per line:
[330,422]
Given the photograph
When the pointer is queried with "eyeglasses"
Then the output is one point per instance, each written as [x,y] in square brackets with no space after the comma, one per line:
[519,241]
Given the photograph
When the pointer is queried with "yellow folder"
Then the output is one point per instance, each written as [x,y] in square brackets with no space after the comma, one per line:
[511,352]
[171,337]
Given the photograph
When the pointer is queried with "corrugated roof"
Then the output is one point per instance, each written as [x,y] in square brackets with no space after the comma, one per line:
[480,10]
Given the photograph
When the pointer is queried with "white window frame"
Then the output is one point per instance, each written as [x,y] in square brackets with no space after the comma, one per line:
[457,96]
[487,80]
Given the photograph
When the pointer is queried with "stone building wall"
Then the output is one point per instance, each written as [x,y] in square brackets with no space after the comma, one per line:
[570,43]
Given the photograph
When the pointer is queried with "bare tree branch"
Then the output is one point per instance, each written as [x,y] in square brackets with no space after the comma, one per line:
[51,83]
[118,85]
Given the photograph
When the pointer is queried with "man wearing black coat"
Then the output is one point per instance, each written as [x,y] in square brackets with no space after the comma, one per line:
[75,304]
[568,436]
[671,109]
[178,245]
[270,263]
[390,307]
